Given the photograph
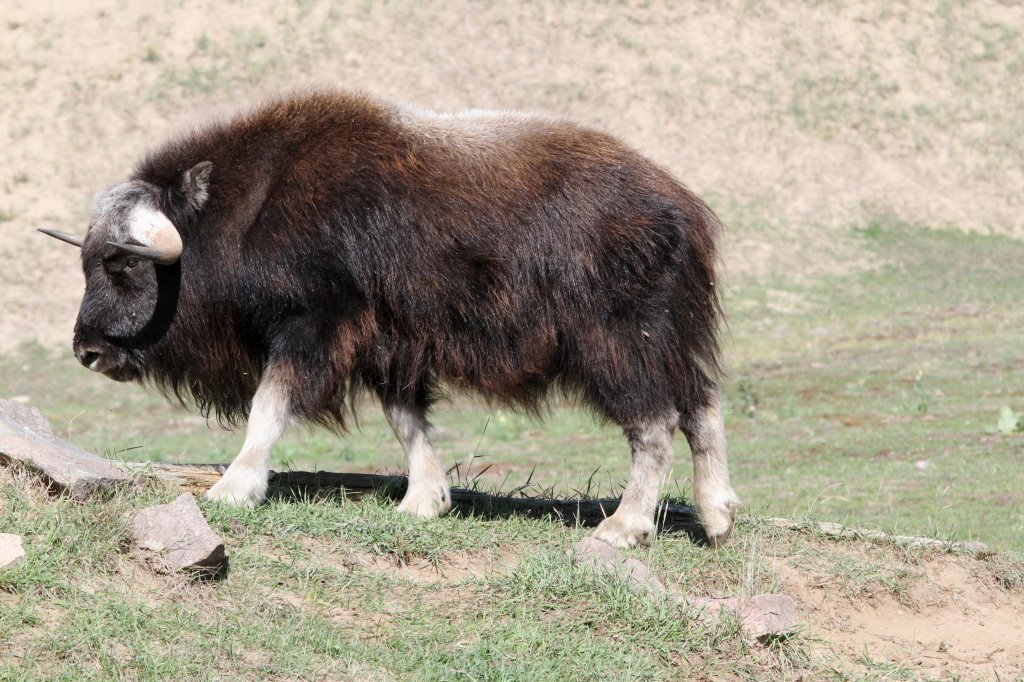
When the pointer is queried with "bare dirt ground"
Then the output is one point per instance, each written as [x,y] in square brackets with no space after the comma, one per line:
[944,617]
[796,121]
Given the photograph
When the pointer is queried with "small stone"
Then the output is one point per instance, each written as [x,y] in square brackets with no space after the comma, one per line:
[762,617]
[180,538]
[26,437]
[975,546]
[599,554]
[11,551]
[768,615]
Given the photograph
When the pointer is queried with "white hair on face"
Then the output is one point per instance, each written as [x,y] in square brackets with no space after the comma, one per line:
[126,212]
[111,199]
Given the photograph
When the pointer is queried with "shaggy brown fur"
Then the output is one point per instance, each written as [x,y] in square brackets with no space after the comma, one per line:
[370,247]
[351,245]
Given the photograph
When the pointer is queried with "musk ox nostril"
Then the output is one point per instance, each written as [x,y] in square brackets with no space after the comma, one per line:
[88,357]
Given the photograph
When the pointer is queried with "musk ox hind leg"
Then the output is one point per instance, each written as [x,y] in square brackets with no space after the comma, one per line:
[633,522]
[428,494]
[714,497]
[245,481]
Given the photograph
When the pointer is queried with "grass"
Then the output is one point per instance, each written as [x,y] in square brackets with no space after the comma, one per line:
[328,588]
[878,401]
[304,596]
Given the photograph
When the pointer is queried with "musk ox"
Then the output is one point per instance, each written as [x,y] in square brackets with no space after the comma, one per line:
[276,264]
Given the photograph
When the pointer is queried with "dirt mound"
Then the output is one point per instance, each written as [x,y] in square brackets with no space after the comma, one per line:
[938,615]
[898,613]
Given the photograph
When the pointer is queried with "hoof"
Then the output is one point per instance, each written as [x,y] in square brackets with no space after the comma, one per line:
[718,518]
[239,489]
[625,531]
[426,501]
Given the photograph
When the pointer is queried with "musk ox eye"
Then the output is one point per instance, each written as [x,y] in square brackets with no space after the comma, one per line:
[131,264]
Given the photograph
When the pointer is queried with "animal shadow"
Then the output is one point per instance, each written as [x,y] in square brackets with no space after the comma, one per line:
[674,516]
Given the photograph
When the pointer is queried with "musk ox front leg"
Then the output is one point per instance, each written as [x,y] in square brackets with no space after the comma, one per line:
[714,497]
[633,522]
[428,494]
[245,481]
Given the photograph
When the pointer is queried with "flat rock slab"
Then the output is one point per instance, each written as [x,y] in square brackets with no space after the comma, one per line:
[11,551]
[761,617]
[26,437]
[179,538]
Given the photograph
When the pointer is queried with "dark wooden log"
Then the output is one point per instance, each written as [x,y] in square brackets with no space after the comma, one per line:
[572,512]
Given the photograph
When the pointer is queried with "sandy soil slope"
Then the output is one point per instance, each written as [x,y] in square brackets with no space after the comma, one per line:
[941,618]
[794,120]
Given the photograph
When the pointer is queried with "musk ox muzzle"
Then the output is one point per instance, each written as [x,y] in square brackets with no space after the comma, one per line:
[103,358]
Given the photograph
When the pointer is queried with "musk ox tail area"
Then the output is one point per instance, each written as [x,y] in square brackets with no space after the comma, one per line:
[657,346]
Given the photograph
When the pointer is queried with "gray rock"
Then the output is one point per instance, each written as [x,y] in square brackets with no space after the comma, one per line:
[26,437]
[762,617]
[599,554]
[768,615]
[11,551]
[179,538]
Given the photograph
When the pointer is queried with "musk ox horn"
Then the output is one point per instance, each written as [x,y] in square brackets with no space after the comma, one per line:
[155,238]
[63,236]
[161,256]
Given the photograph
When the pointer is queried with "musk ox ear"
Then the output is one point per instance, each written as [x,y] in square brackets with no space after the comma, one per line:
[194,185]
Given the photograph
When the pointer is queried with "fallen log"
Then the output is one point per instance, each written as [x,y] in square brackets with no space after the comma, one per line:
[836,530]
[572,512]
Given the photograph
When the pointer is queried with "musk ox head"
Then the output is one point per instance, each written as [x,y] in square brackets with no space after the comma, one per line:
[130,257]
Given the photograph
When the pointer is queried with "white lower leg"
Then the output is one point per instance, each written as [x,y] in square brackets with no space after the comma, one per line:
[633,522]
[245,481]
[714,497]
[428,494]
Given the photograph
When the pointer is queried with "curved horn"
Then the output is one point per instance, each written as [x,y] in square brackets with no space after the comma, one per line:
[147,252]
[63,236]
[155,237]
